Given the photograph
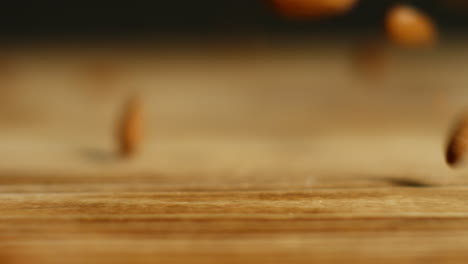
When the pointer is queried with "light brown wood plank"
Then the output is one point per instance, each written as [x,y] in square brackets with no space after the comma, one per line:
[264,155]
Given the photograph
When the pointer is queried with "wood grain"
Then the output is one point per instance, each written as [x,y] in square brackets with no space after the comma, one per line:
[335,225]
[261,156]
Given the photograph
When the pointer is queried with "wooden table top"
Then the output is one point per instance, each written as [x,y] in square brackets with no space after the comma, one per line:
[260,155]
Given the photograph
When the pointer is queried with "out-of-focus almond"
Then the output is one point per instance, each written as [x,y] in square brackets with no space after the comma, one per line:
[458,143]
[407,26]
[131,127]
[303,9]
[370,59]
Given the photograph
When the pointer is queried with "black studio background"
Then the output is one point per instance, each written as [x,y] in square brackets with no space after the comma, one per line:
[158,19]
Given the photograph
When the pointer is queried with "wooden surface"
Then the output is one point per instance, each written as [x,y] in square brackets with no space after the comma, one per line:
[251,155]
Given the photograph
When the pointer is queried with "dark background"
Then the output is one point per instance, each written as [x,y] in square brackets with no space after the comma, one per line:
[155,19]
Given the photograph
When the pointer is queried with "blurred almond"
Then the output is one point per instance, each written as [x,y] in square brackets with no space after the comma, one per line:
[301,9]
[458,143]
[407,26]
[370,59]
[103,75]
[131,127]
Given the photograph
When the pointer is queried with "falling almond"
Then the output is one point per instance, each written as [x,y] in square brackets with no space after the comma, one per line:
[370,59]
[458,143]
[130,130]
[407,26]
[300,9]
[103,75]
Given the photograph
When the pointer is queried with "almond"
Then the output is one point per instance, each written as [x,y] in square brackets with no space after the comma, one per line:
[131,126]
[406,26]
[458,143]
[300,9]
